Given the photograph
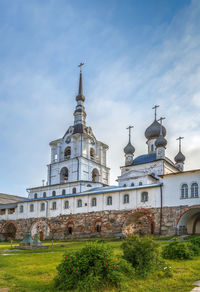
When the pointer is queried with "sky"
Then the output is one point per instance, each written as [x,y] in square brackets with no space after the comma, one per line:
[137,53]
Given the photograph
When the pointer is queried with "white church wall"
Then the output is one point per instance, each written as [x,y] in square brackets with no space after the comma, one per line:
[172,189]
[101,198]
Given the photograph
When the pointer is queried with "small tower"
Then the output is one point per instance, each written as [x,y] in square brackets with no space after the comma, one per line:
[153,132]
[160,143]
[179,158]
[129,149]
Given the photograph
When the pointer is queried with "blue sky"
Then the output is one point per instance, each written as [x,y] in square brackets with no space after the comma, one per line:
[137,54]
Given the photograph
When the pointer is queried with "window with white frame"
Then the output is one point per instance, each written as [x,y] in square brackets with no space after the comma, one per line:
[194,190]
[42,207]
[184,191]
[94,202]
[54,206]
[74,191]
[140,183]
[79,203]
[53,193]
[63,192]
[35,196]
[21,209]
[66,205]
[44,195]
[109,200]
[144,197]
[31,207]
[126,199]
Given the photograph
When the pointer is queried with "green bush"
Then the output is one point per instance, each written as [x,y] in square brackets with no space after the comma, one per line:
[178,250]
[195,240]
[143,253]
[92,268]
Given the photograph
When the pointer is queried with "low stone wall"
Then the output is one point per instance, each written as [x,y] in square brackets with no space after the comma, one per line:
[99,224]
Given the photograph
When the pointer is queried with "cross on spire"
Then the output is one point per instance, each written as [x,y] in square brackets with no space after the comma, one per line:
[179,139]
[80,66]
[160,120]
[129,130]
[155,108]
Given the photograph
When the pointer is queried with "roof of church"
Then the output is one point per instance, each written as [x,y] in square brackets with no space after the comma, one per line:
[147,158]
[180,172]
[7,199]
[144,159]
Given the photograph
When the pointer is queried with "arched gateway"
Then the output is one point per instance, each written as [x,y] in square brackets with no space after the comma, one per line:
[41,228]
[139,221]
[8,231]
[188,222]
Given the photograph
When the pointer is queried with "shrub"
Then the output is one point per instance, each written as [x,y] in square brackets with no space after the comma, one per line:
[143,253]
[91,268]
[178,250]
[195,240]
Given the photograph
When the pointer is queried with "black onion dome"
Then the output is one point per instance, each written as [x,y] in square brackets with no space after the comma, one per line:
[129,149]
[153,131]
[161,142]
[179,157]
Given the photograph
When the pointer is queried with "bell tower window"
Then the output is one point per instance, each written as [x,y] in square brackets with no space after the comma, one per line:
[67,152]
[64,175]
[92,153]
[95,175]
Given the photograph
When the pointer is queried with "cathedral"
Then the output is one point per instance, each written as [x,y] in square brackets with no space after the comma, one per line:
[154,194]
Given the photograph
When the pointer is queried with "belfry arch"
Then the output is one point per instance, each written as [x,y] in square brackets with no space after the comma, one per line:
[95,175]
[139,221]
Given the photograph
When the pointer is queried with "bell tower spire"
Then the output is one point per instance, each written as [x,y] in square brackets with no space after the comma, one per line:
[79,113]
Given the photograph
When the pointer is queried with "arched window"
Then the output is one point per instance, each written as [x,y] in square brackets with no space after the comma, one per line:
[184,191]
[74,191]
[53,193]
[140,183]
[124,185]
[194,190]
[42,207]
[89,186]
[132,184]
[63,192]
[98,227]
[94,202]
[144,197]
[54,205]
[92,153]
[44,195]
[79,203]
[152,148]
[126,199]
[31,207]
[21,209]
[67,152]
[64,175]
[95,175]
[66,204]
[35,196]
[109,200]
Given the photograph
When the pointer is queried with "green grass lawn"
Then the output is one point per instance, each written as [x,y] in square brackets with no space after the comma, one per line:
[34,270]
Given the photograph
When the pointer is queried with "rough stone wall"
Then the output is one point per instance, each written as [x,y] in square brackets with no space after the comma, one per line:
[111,224]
